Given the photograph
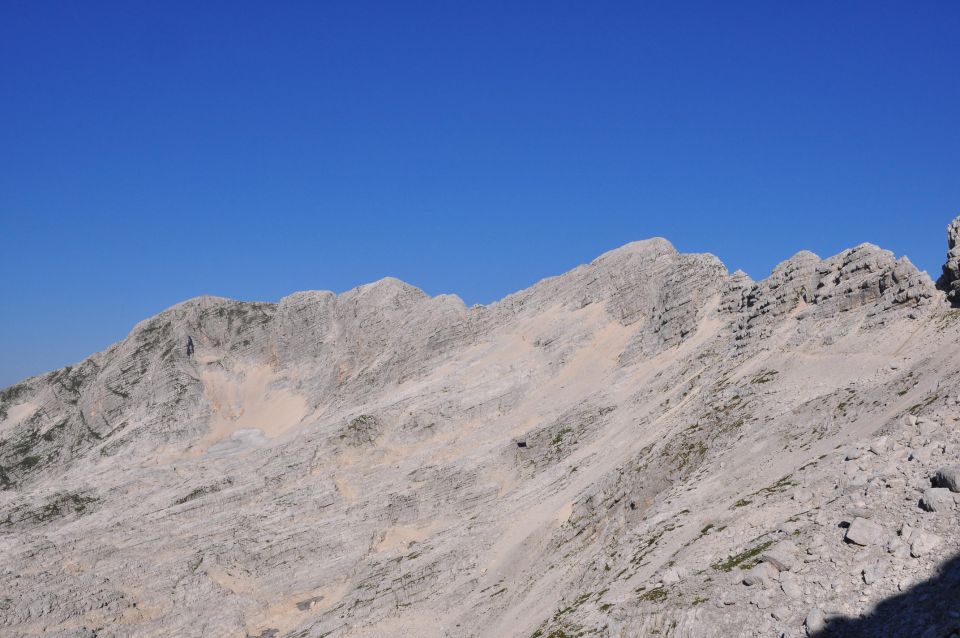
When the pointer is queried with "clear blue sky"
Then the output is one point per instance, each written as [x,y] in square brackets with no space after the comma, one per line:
[151,152]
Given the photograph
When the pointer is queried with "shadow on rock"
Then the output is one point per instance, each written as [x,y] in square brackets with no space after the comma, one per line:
[929,609]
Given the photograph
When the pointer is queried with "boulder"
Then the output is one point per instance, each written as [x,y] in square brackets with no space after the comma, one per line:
[783,556]
[858,511]
[670,577]
[874,572]
[727,598]
[926,427]
[854,454]
[948,477]
[922,454]
[937,499]
[923,543]
[864,532]
[880,445]
[780,613]
[760,574]
[905,531]
[790,585]
[857,479]
[898,548]
[761,599]
[815,621]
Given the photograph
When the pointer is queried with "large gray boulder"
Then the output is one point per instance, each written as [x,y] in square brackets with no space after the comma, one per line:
[791,586]
[937,499]
[783,556]
[760,574]
[922,543]
[948,477]
[815,621]
[864,532]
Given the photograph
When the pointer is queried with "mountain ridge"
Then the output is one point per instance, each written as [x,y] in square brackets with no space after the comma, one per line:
[573,444]
[390,280]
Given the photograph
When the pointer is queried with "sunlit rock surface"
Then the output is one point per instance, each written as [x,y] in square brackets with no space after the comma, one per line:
[615,451]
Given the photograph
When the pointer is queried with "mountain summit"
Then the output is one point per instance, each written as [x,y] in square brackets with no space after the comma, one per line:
[645,445]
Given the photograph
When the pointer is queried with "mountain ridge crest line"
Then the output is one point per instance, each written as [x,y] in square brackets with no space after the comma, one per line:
[645,444]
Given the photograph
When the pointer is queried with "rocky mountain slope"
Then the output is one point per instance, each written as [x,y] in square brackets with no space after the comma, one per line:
[645,445]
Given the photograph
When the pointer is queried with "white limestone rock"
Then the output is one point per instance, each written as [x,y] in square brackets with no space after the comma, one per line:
[949,281]
[350,464]
[922,543]
[783,556]
[937,499]
[864,532]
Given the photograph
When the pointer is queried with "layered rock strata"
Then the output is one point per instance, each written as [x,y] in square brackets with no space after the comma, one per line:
[645,445]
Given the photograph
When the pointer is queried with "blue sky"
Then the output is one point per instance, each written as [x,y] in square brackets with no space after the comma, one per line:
[151,152]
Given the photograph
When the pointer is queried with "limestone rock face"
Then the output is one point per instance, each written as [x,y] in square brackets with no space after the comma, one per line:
[612,451]
[949,282]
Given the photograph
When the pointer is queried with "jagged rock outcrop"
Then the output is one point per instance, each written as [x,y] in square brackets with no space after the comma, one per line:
[949,281]
[613,451]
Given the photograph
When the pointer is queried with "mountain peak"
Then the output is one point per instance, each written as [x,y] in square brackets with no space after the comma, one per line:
[610,451]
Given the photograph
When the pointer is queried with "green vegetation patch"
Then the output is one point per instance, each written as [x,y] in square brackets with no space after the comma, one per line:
[649,545]
[655,595]
[582,598]
[29,462]
[687,455]
[919,407]
[781,485]
[58,506]
[744,560]
[558,437]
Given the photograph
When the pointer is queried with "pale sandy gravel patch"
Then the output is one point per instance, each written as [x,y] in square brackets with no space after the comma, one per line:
[346,489]
[490,367]
[594,361]
[506,479]
[512,352]
[506,350]
[242,399]
[565,512]
[402,536]
[282,613]
[16,415]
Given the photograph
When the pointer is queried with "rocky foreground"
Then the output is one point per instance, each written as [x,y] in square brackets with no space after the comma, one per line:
[644,446]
